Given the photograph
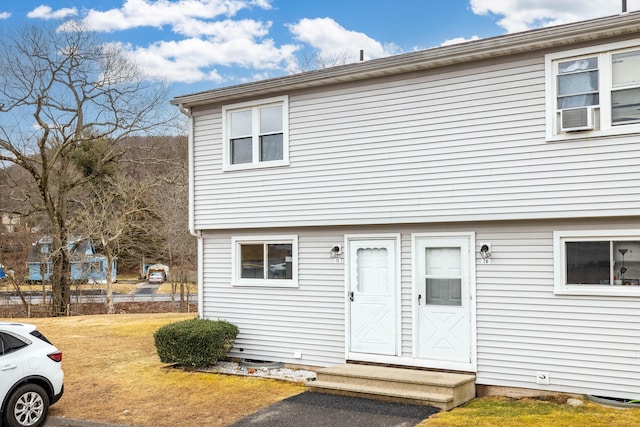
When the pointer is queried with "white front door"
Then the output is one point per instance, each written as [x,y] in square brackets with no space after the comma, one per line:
[372,297]
[442,297]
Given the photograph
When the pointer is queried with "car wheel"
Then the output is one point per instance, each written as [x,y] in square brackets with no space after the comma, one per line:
[27,407]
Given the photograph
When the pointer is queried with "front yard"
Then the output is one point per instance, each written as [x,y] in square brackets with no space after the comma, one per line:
[113,374]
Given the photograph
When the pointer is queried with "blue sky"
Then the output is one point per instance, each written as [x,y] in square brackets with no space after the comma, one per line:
[197,45]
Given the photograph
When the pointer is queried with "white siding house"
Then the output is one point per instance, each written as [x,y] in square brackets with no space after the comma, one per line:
[474,208]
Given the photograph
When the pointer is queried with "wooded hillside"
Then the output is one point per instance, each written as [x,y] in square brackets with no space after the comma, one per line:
[159,163]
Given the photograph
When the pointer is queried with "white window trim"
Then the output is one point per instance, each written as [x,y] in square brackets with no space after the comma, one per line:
[605,86]
[236,277]
[559,263]
[226,150]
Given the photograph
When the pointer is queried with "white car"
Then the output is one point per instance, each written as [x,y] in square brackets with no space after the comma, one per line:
[31,377]
[156,277]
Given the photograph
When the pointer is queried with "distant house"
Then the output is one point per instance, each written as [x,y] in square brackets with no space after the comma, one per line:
[473,207]
[10,221]
[85,264]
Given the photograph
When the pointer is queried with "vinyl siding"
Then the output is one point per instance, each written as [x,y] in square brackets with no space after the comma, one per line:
[453,144]
[275,322]
[586,344]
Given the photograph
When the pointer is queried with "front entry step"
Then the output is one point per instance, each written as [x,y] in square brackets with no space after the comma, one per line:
[439,389]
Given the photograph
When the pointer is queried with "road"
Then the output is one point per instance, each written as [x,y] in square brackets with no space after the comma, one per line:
[144,292]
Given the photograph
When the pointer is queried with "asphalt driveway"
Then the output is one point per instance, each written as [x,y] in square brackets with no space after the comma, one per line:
[326,410]
[313,409]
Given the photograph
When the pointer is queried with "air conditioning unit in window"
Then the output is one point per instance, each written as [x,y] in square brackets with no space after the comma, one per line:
[576,119]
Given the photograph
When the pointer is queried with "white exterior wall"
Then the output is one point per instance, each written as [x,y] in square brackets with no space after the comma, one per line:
[454,149]
[275,322]
[586,344]
[452,144]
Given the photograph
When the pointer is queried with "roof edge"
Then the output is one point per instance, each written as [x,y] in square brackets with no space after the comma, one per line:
[509,44]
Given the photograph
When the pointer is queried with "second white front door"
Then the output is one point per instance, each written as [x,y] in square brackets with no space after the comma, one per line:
[372,296]
[443,299]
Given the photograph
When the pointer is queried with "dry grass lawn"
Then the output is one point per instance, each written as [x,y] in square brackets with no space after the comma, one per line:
[550,411]
[113,374]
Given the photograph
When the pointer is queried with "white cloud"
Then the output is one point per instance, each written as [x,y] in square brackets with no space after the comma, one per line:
[195,59]
[147,13]
[45,12]
[227,29]
[458,40]
[5,15]
[520,15]
[207,38]
[333,41]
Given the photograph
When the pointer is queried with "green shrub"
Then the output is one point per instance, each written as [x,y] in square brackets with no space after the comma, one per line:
[195,343]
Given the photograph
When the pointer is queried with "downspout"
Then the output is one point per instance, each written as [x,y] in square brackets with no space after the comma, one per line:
[191,216]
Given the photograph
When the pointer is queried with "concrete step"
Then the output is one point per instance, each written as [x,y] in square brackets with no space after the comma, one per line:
[440,389]
[417,397]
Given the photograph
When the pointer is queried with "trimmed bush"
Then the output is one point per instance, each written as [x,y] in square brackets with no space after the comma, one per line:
[195,343]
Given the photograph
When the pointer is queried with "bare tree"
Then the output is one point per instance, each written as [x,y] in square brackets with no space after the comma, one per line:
[60,91]
[180,246]
[114,210]
[173,244]
[320,61]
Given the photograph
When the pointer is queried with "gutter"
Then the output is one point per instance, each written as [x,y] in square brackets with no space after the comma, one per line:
[191,221]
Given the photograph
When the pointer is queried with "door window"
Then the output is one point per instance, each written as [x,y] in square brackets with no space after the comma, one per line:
[372,271]
[443,280]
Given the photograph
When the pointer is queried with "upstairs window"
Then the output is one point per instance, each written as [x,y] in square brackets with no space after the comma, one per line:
[594,91]
[578,83]
[256,134]
[625,90]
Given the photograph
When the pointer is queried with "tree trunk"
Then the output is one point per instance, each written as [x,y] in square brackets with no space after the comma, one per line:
[60,287]
[109,299]
[43,281]
[19,291]
[182,301]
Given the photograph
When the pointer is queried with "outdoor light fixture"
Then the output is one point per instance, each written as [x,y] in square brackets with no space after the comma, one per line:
[485,251]
[335,252]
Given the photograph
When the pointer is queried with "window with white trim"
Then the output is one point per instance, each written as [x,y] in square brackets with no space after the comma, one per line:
[265,261]
[256,134]
[597,262]
[593,91]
